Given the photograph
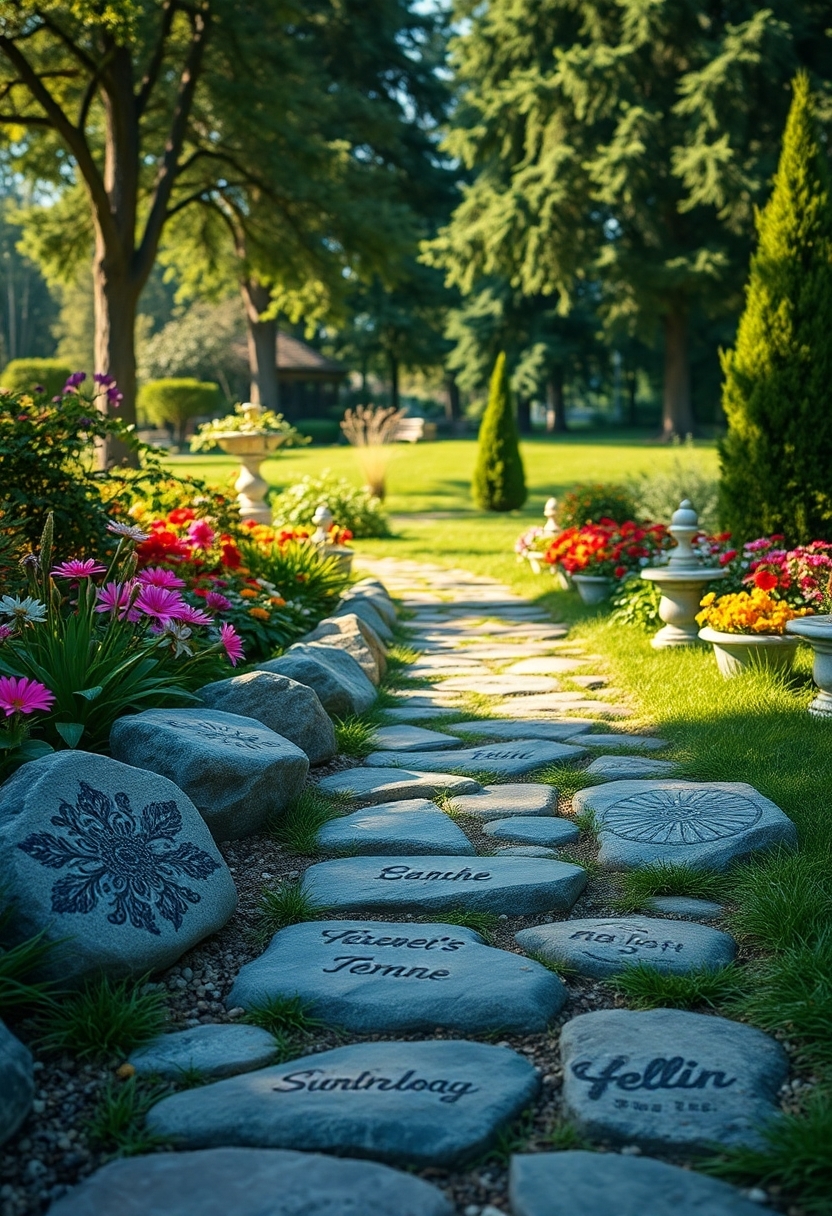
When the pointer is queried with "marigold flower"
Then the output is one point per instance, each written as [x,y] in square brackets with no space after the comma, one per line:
[248,594]
[259,614]
[277,600]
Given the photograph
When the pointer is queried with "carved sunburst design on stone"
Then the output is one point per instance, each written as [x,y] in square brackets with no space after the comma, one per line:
[680,816]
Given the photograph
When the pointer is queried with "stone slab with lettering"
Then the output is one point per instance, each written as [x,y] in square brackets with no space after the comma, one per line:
[213,1051]
[113,863]
[374,785]
[500,686]
[288,708]
[507,729]
[513,798]
[17,1083]
[336,677]
[504,759]
[413,825]
[704,825]
[250,1182]
[512,885]
[236,771]
[668,1079]
[685,905]
[382,977]
[533,829]
[622,768]
[602,946]
[412,739]
[430,1103]
[624,742]
[612,1184]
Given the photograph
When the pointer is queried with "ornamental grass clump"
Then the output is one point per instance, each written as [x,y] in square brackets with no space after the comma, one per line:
[747,612]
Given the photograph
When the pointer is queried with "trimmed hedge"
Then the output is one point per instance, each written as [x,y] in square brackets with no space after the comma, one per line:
[21,375]
[174,402]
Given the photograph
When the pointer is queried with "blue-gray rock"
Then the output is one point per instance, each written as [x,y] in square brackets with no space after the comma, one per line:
[425,713]
[620,768]
[626,743]
[374,785]
[433,1103]
[288,708]
[17,1083]
[115,860]
[344,633]
[335,676]
[500,801]
[684,905]
[668,1079]
[378,599]
[250,1182]
[608,1184]
[505,759]
[411,739]
[525,850]
[411,826]
[512,885]
[602,946]
[704,825]
[533,829]
[364,607]
[236,771]
[508,729]
[381,977]
[213,1051]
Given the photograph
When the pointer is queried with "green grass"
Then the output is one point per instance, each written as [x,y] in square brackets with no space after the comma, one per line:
[289,1021]
[558,966]
[646,987]
[354,735]
[567,781]
[783,899]
[297,827]
[667,878]
[286,904]
[105,1018]
[564,1136]
[483,923]
[117,1125]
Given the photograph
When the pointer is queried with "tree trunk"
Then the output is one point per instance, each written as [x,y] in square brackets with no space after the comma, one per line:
[262,345]
[115,299]
[555,405]
[632,407]
[453,405]
[393,364]
[677,414]
[524,416]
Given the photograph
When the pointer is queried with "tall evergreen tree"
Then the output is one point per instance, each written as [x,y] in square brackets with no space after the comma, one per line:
[777,454]
[499,480]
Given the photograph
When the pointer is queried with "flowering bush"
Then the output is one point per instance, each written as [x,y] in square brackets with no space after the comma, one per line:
[801,576]
[747,612]
[587,504]
[351,507]
[530,541]
[607,549]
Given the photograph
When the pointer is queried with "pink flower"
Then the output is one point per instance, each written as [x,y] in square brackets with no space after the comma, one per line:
[115,598]
[217,602]
[77,569]
[23,696]
[160,603]
[201,534]
[191,616]
[233,646]
[5,632]
[158,576]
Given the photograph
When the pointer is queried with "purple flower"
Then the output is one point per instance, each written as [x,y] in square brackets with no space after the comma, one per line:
[115,598]
[103,379]
[74,381]
[38,388]
[114,397]
[76,569]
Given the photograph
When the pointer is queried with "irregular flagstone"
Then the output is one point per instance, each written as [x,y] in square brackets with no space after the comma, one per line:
[417,713]
[538,829]
[250,1182]
[703,825]
[602,946]
[556,665]
[683,905]
[499,652]
[509,729]
[213,1051]
[412,826]
[629,743]
[427,671]
[425,884]
[288,708]
[525,850]
[381,977]
[374,785]
[668,1079]
[500,686]
[424,698]
[557,703]
[610,1184]
[505,759]
[433,1103]
[17,1083]
[411,739]
[615,768]
[499,801]
[591,682]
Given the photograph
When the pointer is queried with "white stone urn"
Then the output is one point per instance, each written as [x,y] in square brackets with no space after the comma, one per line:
[252,448]
[323,520]
[593,588]
[817,631]
[737,652]
[681,582]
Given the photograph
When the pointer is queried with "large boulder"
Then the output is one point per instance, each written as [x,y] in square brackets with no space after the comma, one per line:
[336,677]
[17,1083]
[375,594]
[348,625]
[288,708]
[114,864]
[350,639]
[365,608]
[237,771]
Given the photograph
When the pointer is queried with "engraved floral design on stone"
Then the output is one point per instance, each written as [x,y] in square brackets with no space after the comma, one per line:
[216,732]
[130,859]
[680,816]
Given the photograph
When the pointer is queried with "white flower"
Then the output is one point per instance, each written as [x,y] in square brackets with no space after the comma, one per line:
[177,636]
[129,531]
[22,610]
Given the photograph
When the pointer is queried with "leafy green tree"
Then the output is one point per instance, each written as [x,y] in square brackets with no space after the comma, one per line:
[499,480]
[777,453]
[174,402]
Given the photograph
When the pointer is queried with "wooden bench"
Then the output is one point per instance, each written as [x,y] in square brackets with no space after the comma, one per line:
[414,430]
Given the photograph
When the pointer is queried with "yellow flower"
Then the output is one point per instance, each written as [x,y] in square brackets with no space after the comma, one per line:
[259,614]
[748,612]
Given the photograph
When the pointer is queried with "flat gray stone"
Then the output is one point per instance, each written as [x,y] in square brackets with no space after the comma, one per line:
[374,785]
[525,850]
[114,864]
[411,739]
[501,686]
[377,599]
[684,905]
[345,634]
[542,665]
[510,729]
[423,698]
[557,703]
[17,1083]
[250,1182]
[629,743]
[500,801]
[335,676]
[533,829]
[213,1051]
[602,946]
[362,606]
[668,1079]
[236,771]
[703,825]
[497,652]
[422,671]
[433,1103]
[504,759]
[411,826]
[616,768]
[381,977]
[418,714]
[609,1184]
[288,708]
[425,884]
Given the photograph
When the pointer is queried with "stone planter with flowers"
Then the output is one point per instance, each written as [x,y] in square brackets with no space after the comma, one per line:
[747,630]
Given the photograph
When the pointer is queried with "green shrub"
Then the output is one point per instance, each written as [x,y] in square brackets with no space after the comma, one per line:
[23,375]
[636,602]
[175,402]
[587,504]
[320,430]
[658,494]
[499,480]
[107,1017]
[351,507]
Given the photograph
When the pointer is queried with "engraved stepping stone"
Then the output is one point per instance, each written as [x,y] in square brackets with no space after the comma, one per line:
[499,801]
[525,850]
[616,768]
[505,759]
[556,665]
[436,883]
[611,1184]
[381,977]
[683,905]
[628,743]
[250,1182]
[500,686]
[538,829]
[605,946]
[412,739]
[433,1103]
[412,826]
[213,1051]
[374,785]
[706,826]
[668,1079]
[507,729]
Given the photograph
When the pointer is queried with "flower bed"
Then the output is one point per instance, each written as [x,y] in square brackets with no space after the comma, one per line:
[607,549]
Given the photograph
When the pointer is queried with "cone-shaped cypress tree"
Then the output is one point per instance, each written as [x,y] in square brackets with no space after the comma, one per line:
[499,481]
[777,395]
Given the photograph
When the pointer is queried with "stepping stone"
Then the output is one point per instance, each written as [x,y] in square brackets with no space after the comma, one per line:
[17,1083]
[605,946]
[374,785]
[556,703]
[556,665]
[411,739]
[668,1079]
[499,801]
[538,829]
[501,686]
[428,884]
[706,826]
[504,759]
[236,771]
[509,729]
[500,652]
[628,743]
[435,1103]
[525,850]
[614,768]
[289,709]
[611,1184]
[412,826]
[380,977]
[213,1051]
[423,671]
[424,714]
[683,905]
[335,676]
[424,698]
[250,1182]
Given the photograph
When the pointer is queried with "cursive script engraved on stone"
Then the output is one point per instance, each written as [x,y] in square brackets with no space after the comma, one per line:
[631,942]
[365,937]
[313,1079]
[680,817]
[393,873]
[217,732]
[660,1073]
[365,964]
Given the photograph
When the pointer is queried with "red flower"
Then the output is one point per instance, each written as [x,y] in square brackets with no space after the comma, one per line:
[181,515]
[230,555]
[765,580]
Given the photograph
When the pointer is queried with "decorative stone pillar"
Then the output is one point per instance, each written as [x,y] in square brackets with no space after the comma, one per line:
[682,582]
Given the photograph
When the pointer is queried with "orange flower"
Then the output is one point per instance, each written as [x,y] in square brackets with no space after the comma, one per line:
[277,600]
[259,614]
[248,594]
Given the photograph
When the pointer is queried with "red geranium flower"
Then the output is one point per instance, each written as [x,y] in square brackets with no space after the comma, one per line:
[765,580]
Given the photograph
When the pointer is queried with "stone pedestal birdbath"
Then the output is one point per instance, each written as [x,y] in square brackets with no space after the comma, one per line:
[323,520]
[682,582]
[817,631]
[252,447]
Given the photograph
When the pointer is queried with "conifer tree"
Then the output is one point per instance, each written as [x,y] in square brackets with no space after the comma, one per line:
[499,480]
[777,454]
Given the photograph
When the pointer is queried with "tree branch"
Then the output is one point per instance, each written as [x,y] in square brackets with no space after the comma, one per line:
[90,91]
[72,47]
[198,196]
[25,120]
[157,58]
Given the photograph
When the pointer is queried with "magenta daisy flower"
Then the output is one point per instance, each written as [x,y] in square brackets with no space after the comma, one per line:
[20,695]
[115,598]
[201,534]
[217,602]
[77,569]
[192,616]
[158,576]
[160,603]
[230,639]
